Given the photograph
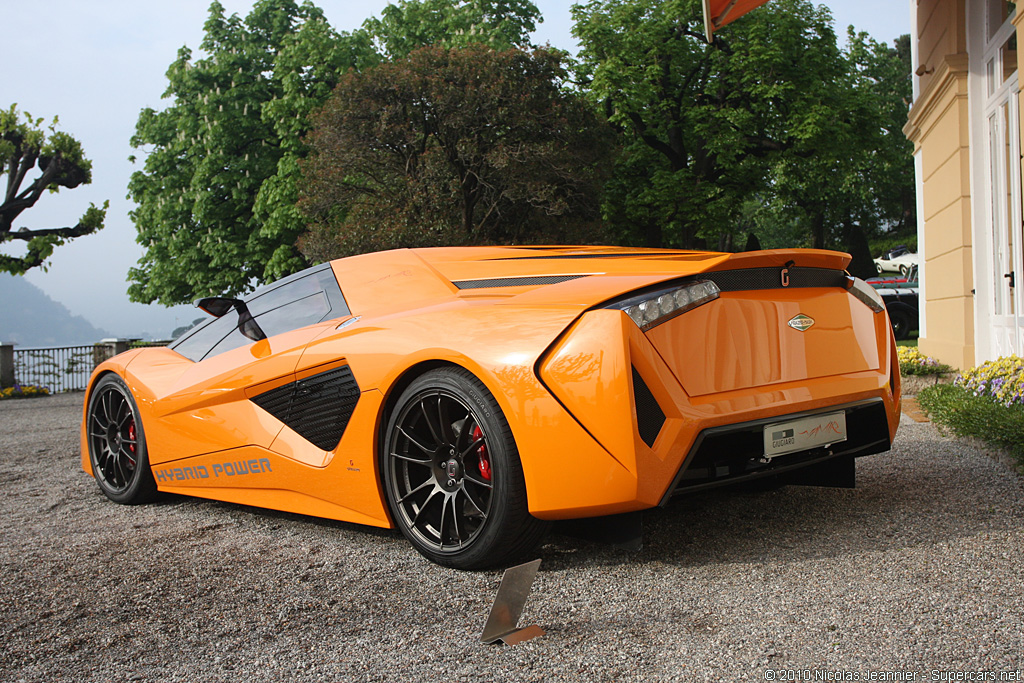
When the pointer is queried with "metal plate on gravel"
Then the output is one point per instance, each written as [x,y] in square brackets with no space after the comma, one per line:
[508,607]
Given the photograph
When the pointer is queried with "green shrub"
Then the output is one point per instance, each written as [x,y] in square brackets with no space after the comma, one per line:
[884,246]
[967,413]
[913,362]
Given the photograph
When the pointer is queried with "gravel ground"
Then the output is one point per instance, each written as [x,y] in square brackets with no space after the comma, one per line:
[919,569]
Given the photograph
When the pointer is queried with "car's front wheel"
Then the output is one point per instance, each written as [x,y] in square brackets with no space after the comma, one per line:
[452,474]
[117,443]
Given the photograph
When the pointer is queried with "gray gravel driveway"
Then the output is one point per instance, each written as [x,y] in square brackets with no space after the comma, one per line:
[918,570]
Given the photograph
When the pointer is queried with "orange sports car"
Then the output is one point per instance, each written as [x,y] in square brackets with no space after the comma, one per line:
[469,395]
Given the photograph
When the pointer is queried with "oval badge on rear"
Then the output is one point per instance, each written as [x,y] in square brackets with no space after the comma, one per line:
[800,322]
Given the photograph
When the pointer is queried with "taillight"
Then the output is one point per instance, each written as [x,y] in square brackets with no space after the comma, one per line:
[653,308]
[865,293]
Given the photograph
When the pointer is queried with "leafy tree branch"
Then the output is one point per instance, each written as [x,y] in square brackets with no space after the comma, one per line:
[27,145]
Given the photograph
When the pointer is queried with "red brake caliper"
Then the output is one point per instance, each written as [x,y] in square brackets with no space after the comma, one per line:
[485,461]
[131,435]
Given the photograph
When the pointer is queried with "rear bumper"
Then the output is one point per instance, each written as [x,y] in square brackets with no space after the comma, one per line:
[606,375]
[733,453]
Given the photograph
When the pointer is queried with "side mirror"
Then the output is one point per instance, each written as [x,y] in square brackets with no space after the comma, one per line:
[217,306]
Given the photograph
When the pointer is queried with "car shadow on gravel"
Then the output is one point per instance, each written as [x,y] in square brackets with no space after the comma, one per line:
[262,516]
[927,490]
[923,492]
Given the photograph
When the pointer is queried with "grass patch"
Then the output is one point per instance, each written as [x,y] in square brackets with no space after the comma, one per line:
[986,402]
[912,343]
[964,414]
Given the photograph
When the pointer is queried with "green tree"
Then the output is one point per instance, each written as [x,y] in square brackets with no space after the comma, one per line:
[856,181]
[216,195]
[453,146]
[410,24]
[26,144]
[703,123]
[883,75]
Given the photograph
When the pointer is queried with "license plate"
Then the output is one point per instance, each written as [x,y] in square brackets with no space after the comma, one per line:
[807,432]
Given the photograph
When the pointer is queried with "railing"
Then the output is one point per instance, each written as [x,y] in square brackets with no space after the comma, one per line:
[63,368]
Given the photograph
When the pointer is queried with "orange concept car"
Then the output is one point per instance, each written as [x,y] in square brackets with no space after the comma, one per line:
[468,395]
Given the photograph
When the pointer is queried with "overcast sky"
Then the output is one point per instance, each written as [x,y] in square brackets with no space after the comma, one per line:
[97,64]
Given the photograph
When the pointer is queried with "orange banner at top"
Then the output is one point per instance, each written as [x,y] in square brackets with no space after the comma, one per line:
[718,13]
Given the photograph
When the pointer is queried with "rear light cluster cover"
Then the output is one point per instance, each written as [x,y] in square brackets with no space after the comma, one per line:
[653,308]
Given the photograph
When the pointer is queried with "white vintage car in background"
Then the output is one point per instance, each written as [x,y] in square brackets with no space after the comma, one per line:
[899,260]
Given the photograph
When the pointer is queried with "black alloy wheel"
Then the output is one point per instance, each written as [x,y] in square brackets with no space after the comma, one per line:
[452,474]
[117,443]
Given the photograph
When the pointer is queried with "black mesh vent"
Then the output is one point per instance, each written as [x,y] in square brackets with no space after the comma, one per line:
[673,255]
[318,408]
[649,416]
[515,281]
[771,278]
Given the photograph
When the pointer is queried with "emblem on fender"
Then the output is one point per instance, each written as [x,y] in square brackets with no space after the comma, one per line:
[800,322]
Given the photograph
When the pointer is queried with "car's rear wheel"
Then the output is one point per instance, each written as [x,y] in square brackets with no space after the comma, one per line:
[117,443]
[904,270]
[452,474]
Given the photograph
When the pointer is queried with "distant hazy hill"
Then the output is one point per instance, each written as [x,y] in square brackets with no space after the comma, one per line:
[30,318]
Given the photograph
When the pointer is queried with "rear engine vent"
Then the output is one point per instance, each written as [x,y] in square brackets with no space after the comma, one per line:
[515,281]
[649,416]
[318,408]
[747,279]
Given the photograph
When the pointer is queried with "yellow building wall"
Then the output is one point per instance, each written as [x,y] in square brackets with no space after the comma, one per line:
[938,127]
[940,32]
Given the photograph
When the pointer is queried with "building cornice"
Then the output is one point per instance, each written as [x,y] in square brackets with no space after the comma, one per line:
[949,74]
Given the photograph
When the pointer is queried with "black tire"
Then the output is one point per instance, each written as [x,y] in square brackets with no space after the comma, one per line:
[900,323]
[117,444]
[452,475]
[904,271]
[878,269]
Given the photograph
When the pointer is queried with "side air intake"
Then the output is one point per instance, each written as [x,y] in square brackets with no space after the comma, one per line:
[318,407]
[649,416]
